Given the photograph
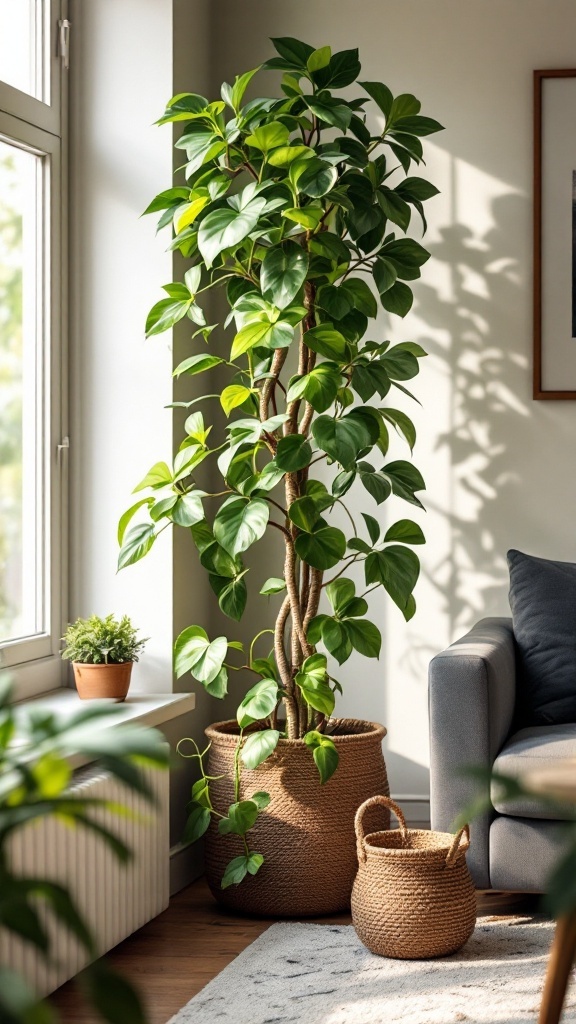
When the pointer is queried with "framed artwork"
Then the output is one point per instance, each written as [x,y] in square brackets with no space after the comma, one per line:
[555,234]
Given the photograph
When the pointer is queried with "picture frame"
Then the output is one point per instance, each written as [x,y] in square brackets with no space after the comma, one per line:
[554,297]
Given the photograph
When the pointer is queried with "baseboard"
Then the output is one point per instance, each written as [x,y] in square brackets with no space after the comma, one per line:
[416,809]
[186,865]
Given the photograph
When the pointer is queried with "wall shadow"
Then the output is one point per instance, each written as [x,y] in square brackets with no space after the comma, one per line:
[485,360]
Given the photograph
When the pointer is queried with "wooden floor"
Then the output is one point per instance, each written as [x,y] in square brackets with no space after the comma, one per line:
[179,952]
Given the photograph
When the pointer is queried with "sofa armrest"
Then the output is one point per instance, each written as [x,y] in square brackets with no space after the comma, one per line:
[472,690]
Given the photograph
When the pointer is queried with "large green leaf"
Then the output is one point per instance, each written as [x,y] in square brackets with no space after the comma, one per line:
[269,136]
[188,509]
[322,549]
[187,213]
[418,125]
[304,513]
[195,653]
[259,746]
[405,479]
[316,178]
[331,111]
[397,569]
[273,585]
[241,866]
[232,594]
[233,396]
[319,59]
[201,144]
[381,95]
[226,228]
[340,592]
[293,51]
[264,333]
[239,88]
[240,522]
[312,681]
[335,301]
[405,531]
[343,69]
[181,106]
[341,439]
[197,824]
[137,543]
[395,208]
[326,341]
[400,364]
[361,296]
[293,453]
[385,275]
[398,299]
[197,364]
[376,484]
[308,216]
[286,155]
[128,515]
[370,377]
[258,703]
[165,314]
[283,273]
[402,423]
[324,752]
[365,637]
[319,387]
[241,817]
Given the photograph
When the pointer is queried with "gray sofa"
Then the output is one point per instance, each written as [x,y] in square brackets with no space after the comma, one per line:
[472,690]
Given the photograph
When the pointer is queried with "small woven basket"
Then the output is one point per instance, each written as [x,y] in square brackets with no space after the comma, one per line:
[413,897]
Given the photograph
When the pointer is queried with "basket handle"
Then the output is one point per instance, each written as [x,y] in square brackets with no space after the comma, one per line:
[383,801]
[455,847]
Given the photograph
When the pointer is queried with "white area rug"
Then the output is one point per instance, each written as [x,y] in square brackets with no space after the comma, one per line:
[321,974]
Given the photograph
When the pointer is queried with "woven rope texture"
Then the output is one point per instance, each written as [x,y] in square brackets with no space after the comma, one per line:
[413,897]
[306,834]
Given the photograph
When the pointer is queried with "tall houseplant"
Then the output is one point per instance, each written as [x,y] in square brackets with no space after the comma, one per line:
[293,208]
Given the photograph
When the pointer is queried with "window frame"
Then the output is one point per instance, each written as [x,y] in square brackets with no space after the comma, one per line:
[34,663]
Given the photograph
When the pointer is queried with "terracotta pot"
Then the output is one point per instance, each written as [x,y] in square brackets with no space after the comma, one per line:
[98,681]
[306,834]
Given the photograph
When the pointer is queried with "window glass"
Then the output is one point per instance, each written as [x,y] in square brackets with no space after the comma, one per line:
[21,333]
[21,46]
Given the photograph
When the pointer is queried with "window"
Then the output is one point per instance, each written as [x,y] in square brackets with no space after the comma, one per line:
[33,428]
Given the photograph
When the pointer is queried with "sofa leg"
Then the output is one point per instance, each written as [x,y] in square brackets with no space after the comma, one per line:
[560,964]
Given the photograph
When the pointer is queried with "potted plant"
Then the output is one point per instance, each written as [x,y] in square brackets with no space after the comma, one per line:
[102,652]
[294,209]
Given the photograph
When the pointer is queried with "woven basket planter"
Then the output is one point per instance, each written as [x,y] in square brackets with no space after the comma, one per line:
[413,897]
[306,834]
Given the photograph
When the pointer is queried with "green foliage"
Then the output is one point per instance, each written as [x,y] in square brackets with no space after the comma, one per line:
[96,641]
[299,209]
[35,752]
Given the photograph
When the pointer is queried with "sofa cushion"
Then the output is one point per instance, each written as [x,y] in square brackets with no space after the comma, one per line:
[523,853]
[529,749]
[543,603]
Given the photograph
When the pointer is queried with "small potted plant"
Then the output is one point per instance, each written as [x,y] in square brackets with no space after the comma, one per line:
[102,652]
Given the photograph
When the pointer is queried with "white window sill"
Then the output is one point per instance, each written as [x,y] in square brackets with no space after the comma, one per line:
[149,709]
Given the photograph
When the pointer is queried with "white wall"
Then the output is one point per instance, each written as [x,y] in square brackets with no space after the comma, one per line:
[122,76]
[499,467]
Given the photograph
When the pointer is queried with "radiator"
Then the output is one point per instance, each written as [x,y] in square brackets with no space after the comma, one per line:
[115,899]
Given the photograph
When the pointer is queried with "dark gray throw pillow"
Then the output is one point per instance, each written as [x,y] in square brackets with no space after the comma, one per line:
[543,603]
